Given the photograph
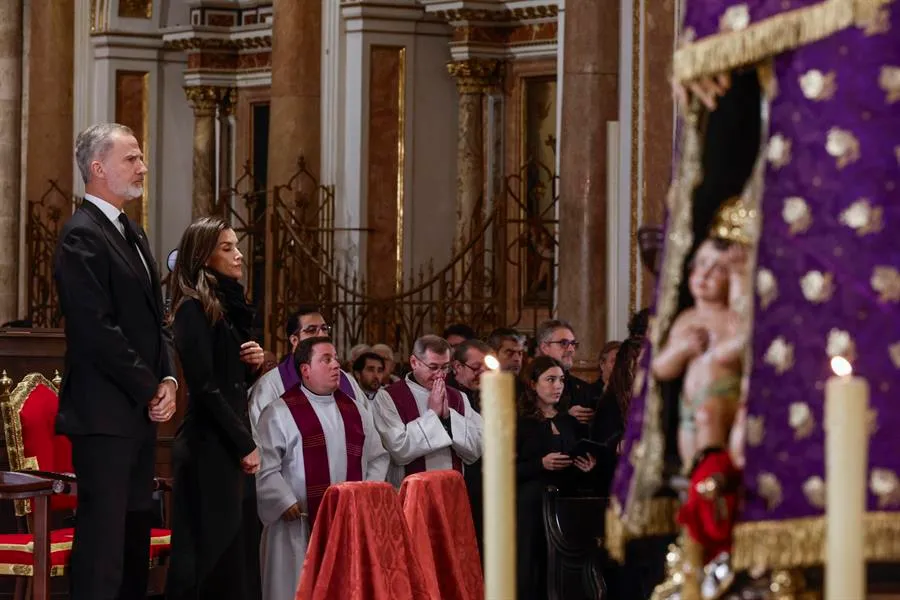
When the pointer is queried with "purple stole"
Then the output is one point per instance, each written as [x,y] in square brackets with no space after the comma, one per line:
[290,378]
[409,411]
[315,453]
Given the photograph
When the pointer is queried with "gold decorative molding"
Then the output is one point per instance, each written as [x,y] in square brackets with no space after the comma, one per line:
[525,13]
[475,75]
[204,99]
[196,43]
[136,9]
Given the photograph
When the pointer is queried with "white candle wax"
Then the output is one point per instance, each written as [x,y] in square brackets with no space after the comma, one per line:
[846,455]
[498,411]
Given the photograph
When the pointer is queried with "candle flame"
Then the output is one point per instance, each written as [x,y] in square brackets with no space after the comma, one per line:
[491,362]
[841,366]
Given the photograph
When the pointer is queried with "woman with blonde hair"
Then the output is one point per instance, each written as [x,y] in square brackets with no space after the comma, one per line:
[214,454]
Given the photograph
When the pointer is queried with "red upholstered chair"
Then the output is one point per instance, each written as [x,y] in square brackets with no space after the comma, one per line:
[360,549]
[29,417]
[439,516]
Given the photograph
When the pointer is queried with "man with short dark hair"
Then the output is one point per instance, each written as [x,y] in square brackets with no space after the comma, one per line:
[312,437]
[368,369]
[457,333]
[509,346]
[305,323]
[425,424]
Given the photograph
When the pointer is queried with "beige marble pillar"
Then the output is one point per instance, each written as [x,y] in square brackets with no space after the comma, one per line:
[473,78]
[203,99]
[50,108]
[295,106]
[10,153]
[590,100]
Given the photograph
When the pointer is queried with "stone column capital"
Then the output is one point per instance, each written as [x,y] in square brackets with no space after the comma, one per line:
[205,98]
[475,75]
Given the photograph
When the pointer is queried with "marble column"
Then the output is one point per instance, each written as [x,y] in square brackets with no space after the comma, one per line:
[203,99]
[473,78]
[50,107]
[590,100]
[10,153]
[295,106]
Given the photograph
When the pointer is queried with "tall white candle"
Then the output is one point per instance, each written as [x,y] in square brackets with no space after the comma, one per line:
[846,456]
[498,411]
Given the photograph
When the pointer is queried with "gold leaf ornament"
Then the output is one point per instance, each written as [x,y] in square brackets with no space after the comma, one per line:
[843,146]
[766,287]
[818,86]
[814,490]
[796,214]
[770,489]
[801,420]
[817,287]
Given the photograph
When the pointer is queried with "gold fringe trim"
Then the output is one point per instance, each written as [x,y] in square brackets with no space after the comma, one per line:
[660,514]
[798,543]
[786,31]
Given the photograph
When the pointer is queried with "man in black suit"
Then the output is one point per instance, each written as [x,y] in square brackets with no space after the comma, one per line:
[119,375]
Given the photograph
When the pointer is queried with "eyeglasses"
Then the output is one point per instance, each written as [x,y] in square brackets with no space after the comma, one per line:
[314,329]
[566,344]
[434,368]
[476,369]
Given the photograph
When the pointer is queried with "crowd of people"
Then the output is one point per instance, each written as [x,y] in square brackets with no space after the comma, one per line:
[374,416]
[262,439]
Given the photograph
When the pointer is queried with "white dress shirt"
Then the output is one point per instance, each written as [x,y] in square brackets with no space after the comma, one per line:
[112,213]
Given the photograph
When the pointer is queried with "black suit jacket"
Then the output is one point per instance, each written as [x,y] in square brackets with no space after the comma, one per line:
[117,347]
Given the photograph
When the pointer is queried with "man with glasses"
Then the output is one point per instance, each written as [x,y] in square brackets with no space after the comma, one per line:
[425,424]
[468,365]
[303,324]
[556,339]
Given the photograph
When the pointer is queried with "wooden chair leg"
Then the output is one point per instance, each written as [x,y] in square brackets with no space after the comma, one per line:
[41,575]
[21,590]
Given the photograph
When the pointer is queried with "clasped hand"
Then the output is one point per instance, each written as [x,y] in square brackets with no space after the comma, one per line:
[437,399]
[162,405]
[252,354]
[557,461]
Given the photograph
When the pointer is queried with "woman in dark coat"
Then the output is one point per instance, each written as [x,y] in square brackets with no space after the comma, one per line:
[544,435]
[215,455]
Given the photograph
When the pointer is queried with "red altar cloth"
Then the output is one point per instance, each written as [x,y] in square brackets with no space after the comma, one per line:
[440,522]
[360,548]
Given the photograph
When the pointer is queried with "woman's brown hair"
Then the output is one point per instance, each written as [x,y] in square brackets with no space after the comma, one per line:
[191,278]
[528,403]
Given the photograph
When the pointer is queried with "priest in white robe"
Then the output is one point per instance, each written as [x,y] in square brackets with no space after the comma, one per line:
[425,424]
[312,437]
[301,325]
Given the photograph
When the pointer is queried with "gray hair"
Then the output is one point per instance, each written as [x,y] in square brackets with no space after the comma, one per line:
[94,142]
[435,343]
[546,329]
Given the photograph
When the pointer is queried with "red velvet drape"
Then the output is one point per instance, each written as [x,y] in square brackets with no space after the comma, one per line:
[360,548]
[440,522]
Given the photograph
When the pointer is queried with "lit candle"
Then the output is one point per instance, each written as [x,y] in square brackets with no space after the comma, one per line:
[846,458]
[498,411]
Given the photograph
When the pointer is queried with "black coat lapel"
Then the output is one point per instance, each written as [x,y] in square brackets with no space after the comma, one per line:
[120,245]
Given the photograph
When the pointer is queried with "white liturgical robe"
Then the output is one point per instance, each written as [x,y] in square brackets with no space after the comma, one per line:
[281,482]
[270,387]
[426,436]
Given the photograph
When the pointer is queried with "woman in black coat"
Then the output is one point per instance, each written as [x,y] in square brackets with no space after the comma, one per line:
[544,435]
[214,529]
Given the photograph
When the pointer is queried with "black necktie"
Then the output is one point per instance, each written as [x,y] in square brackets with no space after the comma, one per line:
[131,237]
